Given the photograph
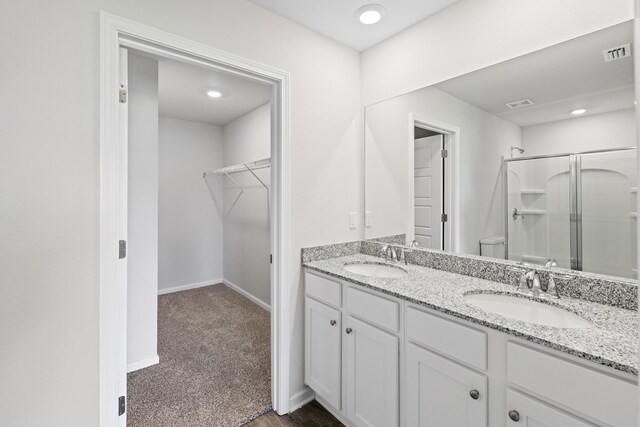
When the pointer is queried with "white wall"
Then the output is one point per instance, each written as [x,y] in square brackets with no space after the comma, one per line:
[474,34]
[246,218]
[49,231]
[50,167]
[142,242]
[484,138]
[616,129]
[190,208]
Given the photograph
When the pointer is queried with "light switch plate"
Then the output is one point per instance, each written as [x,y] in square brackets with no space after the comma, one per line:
[367,219]
[352,220]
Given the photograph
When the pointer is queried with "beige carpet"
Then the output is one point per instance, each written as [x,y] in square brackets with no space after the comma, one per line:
[215,363]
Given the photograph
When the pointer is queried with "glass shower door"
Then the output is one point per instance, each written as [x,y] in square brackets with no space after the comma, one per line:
[609,212]
[538,210]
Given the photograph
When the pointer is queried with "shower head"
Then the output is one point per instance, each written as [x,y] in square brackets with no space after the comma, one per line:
[513,147]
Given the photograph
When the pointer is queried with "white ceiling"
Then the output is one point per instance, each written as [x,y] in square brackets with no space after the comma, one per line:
[558,79]
[336,19]
[182,93]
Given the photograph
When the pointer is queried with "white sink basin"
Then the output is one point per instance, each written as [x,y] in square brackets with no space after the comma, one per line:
[382,271]
[527,310]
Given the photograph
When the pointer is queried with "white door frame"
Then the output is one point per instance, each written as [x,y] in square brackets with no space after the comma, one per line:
[451,185]
[117,32]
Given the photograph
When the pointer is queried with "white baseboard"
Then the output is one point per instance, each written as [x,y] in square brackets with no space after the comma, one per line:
[188,286]
[301,398]
[242,292]
[333,412]
[144,363]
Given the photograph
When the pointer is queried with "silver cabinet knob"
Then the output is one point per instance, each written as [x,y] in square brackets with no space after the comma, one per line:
[348,330]
[514,415]
[475,394]
[333,322]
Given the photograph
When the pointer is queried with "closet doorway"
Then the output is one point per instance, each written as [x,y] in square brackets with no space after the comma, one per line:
[198,271]
[230,193]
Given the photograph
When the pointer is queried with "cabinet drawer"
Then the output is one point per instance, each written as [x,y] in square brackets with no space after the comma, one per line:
[374,309]
[608,399]
[459,342]
[323,289]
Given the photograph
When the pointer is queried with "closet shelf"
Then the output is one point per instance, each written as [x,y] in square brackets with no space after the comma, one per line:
[634,215]
[244,167]
[533,191]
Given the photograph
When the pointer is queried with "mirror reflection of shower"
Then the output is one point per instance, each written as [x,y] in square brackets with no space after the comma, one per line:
[520,150]
[578,209]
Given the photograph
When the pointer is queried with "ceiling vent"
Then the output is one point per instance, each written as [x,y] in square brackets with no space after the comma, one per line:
[519,104]
[617,52]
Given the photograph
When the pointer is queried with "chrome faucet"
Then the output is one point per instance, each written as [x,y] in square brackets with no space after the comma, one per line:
[393,253]
[388,252]
[530,283]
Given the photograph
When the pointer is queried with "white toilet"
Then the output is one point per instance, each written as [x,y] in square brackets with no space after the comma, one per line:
[492,247]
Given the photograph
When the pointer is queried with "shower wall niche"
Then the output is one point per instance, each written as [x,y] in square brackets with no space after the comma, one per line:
[577,209]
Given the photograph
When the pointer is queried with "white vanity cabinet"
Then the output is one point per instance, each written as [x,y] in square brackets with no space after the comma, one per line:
[323,356]
[353,365]
[443,360]
[443,393]
[372,375]
[532,413]
[376,360]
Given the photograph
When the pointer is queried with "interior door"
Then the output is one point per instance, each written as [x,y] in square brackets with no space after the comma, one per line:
[428,191]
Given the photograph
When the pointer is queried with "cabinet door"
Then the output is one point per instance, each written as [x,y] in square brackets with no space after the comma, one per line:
[524,411]
[323,351]
[442,393]
[372,375]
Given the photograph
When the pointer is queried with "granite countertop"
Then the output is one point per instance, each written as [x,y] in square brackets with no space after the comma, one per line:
[612,341]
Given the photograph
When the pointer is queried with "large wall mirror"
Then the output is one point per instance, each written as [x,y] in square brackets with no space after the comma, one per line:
[531,160]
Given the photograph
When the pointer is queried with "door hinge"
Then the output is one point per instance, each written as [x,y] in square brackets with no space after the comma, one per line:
[122,94]
[270,258]
[122,249]
[443,217]
[122,405]
[443,153]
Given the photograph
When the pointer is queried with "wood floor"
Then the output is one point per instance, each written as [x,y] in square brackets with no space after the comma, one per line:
[310,415]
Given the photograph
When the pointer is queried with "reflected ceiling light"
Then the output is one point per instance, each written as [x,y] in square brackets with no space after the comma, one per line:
[578,111]
[214,93]
[370,13]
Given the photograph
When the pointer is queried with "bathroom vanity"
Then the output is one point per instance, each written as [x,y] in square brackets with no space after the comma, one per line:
[410,350]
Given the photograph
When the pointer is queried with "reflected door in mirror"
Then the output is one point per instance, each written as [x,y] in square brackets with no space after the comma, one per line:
[428,168]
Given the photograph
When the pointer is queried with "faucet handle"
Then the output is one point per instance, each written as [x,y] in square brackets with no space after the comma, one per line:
[383,251]
[552,290]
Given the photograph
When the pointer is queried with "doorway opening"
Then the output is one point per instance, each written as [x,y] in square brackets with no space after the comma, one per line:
[429,195]
[433,202]
[198,226]
[118,33]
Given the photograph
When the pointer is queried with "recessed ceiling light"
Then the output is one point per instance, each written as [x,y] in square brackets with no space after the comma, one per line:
[370,13]
[214,93]
[578,111]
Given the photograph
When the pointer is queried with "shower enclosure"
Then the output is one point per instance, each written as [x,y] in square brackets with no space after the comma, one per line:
[579,209]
